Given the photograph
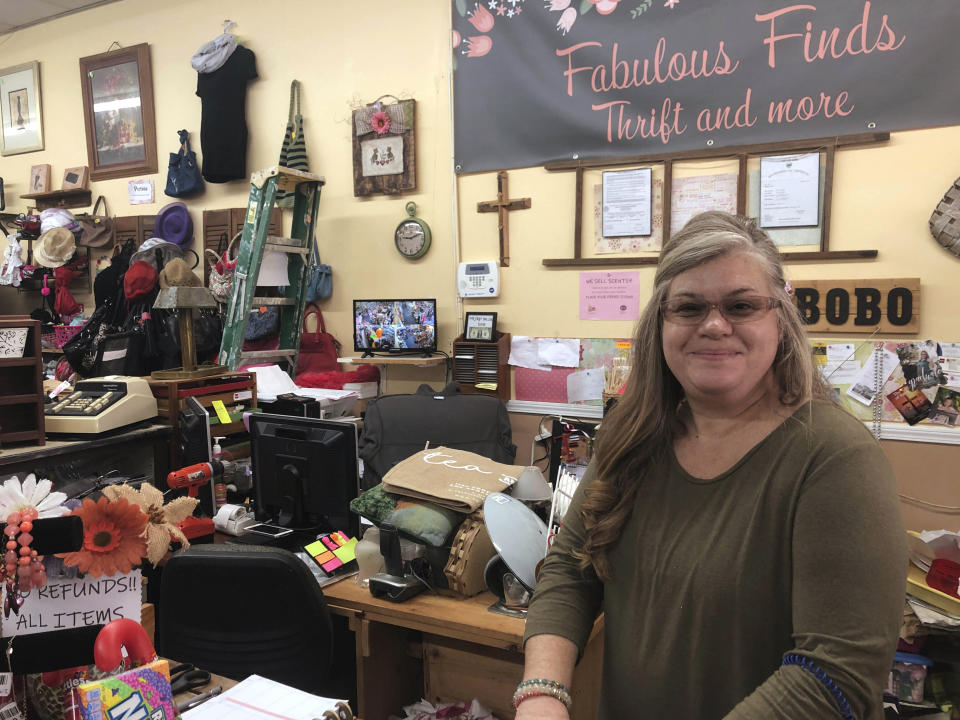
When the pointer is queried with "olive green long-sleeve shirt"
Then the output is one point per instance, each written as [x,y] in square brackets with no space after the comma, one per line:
[798,548]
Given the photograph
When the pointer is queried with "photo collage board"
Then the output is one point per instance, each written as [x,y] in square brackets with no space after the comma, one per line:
[916,381]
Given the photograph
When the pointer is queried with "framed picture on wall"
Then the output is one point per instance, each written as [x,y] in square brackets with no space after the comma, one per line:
[21,116]
[118,113]
[39,179]
[480,327]
[75,178]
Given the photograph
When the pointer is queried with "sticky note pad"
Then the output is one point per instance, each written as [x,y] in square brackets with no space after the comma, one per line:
[347,552]
[331,565]
[222,413]
[314,548]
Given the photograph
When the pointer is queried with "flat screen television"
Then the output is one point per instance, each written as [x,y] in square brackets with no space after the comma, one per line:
[395,326]
[304,472]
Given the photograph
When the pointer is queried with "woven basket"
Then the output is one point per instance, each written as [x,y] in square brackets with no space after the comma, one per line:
[945,220]
[48,341]
[65,332]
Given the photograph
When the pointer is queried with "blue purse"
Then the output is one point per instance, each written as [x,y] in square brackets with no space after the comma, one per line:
[319,278]
[262,325]
[183,174]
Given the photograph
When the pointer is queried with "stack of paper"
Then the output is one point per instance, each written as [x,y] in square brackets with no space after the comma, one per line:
[272,381]
[258,698]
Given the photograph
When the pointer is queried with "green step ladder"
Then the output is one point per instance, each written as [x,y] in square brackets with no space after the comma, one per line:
[254,241]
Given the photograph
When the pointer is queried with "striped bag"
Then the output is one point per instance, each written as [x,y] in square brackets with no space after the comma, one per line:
[293,152]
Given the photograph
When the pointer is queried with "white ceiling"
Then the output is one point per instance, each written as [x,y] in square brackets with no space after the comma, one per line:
[18,14]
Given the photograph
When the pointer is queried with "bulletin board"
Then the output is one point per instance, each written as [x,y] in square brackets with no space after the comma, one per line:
[551,385]
[917,384]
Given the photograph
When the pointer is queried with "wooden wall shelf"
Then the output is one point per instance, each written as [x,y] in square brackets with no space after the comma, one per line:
[653,259]
[741,153]
[61,199]
[413,360]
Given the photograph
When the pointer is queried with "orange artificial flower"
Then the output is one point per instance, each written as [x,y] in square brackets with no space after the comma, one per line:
[113,537]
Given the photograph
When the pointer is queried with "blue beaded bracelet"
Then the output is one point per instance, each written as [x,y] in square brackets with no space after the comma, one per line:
[828,682]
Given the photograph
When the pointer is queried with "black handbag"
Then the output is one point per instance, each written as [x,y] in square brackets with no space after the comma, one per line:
[81,350]
[183,175]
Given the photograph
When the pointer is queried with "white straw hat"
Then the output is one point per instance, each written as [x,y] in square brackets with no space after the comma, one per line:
[54,248]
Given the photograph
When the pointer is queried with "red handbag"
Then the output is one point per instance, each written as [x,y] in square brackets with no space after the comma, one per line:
[319,350]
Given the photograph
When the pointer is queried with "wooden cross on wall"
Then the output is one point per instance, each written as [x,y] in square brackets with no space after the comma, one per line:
[502,205]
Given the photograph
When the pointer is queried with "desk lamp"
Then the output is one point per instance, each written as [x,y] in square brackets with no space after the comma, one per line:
[185,300]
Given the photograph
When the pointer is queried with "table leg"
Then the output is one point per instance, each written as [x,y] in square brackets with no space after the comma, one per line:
[387,677]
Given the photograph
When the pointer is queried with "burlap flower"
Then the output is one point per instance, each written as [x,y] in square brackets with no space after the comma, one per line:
[161,519]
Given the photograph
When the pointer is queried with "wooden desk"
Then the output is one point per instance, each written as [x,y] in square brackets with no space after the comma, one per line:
[445,649]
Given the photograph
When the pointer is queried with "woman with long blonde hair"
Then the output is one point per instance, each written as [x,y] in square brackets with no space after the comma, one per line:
[739,530]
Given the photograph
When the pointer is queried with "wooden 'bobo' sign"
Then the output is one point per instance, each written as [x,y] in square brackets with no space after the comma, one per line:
[857,306]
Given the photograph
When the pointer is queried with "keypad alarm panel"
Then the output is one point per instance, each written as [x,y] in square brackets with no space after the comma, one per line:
[478,279]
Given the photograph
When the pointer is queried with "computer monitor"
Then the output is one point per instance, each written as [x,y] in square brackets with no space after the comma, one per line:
[395,326]
[304,472]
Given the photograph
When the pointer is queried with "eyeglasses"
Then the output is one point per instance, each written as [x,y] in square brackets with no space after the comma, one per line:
[735,310]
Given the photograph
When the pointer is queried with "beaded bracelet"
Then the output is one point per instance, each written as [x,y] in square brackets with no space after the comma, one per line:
[540,687]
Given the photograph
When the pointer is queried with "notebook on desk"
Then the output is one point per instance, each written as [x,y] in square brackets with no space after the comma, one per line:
[258,698]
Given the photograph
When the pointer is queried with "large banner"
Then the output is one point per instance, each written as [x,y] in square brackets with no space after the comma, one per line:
[542,80]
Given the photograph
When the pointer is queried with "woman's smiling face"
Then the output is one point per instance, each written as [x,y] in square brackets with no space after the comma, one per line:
[716,360]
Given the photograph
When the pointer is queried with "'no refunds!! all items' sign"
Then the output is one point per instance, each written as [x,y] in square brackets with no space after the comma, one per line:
[77,602]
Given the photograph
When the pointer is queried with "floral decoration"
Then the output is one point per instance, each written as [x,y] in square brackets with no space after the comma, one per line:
[162,519]
[380,122]
[567,18]
[604,7]
[477,45]
[113,537]
[481,19]
[31,493]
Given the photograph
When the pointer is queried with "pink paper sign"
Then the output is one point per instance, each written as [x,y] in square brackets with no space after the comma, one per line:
[609,296]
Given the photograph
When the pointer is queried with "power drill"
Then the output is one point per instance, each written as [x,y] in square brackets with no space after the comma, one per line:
[193,476]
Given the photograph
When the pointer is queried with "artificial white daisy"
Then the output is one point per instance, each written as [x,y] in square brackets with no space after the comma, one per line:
[17,496]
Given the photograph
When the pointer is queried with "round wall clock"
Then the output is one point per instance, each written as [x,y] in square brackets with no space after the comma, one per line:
[412,236]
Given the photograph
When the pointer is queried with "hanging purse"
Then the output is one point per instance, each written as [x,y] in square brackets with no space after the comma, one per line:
[319,350]
[183,175]
[263,323]
[293,151]
[221,271]
[96,228]
[319,277]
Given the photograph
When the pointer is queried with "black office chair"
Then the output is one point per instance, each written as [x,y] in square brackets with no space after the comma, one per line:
[236,610]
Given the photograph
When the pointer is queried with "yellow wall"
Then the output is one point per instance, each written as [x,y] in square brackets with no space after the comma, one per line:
[351,53]
[882,199]
[345,55]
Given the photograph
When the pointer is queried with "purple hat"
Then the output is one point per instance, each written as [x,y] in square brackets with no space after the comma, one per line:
[173,224]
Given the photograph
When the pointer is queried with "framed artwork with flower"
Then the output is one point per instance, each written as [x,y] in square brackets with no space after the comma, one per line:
[384,147]
[118,113]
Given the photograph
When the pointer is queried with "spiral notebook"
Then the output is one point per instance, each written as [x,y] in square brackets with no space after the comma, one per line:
[258,698]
